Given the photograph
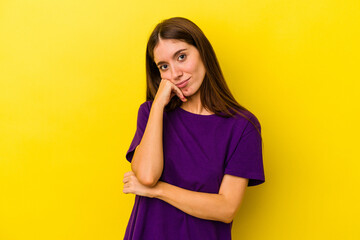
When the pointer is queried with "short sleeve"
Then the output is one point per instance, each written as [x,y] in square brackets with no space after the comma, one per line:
[142,118]
[246,160]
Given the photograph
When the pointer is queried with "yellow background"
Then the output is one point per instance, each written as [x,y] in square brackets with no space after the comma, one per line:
[72,76]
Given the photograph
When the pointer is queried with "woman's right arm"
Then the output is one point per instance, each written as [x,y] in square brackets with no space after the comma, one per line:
[147,162]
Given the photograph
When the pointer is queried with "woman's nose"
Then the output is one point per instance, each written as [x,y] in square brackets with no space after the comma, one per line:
[176,72]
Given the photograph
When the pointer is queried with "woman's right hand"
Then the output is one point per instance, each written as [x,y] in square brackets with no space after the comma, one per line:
[166,91]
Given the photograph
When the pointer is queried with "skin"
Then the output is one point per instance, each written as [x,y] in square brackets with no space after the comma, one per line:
[187,64]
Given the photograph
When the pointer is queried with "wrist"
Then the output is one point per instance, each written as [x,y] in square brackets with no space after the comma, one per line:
[157,190]
[158,105]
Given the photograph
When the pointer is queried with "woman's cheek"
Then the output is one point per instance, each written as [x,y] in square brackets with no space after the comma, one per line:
[164,76]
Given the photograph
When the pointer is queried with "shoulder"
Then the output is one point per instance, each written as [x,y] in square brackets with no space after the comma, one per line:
[252,120]
[245,117]
[146,106]
[245,122]
[144,111]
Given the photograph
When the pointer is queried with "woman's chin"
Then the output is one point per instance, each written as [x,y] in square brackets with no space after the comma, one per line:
[187,94]
[186,91]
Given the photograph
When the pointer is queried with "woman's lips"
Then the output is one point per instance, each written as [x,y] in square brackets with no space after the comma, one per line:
[183,84]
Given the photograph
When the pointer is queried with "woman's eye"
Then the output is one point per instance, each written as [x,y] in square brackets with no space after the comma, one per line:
[162,66]
[182,55]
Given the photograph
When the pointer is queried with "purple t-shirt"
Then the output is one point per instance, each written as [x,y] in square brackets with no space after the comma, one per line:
[198,150]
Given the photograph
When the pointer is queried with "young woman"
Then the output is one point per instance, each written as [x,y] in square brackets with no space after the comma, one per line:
[195,149]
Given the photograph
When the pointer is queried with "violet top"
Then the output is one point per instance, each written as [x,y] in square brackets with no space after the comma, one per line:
[198,151]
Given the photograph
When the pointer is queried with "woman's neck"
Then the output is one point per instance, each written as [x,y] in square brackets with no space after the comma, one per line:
[193,105]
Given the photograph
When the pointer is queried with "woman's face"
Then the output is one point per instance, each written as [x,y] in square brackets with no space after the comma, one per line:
[180,63]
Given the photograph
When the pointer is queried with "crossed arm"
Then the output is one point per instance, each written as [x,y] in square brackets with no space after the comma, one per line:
[147,166]
[219,207]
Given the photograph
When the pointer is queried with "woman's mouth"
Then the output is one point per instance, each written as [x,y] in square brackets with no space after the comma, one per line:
[183,84]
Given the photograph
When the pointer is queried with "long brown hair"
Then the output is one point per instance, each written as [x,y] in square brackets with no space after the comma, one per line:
[214,92]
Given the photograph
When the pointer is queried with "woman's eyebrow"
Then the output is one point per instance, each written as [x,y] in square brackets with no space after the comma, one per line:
[173,56]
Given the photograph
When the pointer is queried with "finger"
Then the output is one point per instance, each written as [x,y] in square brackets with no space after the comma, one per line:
[125,180]
[164,80]
[129,173]
[175,90]
[179,93]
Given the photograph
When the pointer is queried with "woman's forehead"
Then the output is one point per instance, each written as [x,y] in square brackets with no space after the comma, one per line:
[167,47]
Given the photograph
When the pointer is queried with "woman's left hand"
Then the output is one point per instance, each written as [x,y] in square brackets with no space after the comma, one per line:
[132,185]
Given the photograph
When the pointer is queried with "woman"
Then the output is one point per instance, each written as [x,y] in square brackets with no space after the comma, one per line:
[195,149]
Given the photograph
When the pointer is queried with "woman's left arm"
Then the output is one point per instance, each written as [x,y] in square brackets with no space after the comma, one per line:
[211,206]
